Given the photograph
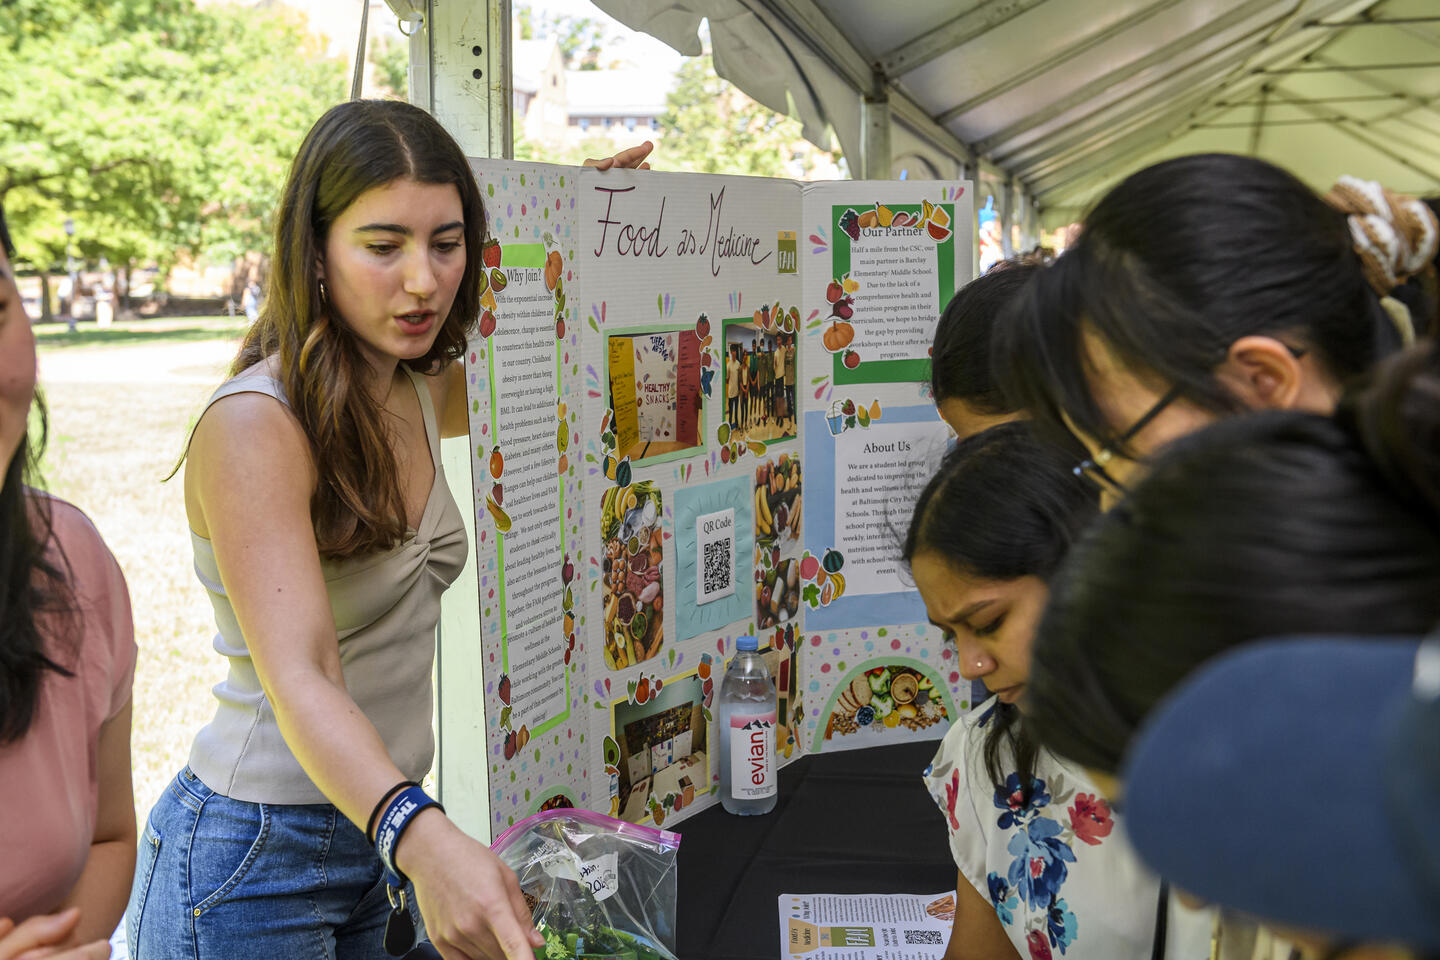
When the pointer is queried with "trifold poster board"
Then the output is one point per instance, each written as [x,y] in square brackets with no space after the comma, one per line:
[699,409]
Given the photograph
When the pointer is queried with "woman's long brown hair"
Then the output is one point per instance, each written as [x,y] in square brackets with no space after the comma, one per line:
[357,506]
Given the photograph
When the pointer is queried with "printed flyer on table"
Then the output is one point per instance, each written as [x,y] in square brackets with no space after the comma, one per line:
[901,926]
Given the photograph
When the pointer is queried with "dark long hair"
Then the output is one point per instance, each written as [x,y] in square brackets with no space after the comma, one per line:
[1002,506]
[960,357]
[34,580]
[1260,526]
[1173,266]
[356,146]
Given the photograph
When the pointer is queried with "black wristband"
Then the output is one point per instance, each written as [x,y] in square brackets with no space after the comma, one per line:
[370,824]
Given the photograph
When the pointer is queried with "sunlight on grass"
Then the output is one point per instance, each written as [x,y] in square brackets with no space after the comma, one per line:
[146,332]
[119,413]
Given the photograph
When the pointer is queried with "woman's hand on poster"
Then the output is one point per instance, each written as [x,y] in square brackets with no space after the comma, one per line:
[632,158]
[41,936]
[470,901]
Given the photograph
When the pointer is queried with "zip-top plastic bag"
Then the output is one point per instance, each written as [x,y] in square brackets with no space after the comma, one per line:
[598,888]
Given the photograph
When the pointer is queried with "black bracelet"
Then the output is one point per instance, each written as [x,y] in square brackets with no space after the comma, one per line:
[370,824]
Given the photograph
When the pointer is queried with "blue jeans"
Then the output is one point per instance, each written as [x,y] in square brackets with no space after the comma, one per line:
[223,878]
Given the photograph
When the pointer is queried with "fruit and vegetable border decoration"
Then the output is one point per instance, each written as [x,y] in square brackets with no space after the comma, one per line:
[494,281]
[821,581]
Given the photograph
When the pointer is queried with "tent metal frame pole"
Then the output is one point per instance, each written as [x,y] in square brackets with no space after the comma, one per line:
[1007,218]
[875,130]
[1351,68]
[1362,22]
[1258,127]
[461,73]
[1313,101]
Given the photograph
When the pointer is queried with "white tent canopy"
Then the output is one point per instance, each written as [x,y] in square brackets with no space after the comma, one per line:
[1059,99]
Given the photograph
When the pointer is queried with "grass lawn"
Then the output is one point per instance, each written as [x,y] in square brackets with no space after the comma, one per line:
[53,336]
[121,401]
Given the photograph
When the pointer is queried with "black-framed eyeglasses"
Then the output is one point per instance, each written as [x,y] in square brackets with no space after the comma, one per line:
[1093,468]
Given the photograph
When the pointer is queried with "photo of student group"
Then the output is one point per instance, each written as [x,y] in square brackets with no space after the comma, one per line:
[1182,541]
[759,382]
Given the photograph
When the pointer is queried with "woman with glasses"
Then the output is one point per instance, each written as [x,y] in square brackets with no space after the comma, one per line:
[1282,523]
[1201,287]
[1043,869]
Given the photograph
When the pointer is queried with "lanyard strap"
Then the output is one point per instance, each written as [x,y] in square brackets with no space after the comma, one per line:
[1162,922]
[397,817]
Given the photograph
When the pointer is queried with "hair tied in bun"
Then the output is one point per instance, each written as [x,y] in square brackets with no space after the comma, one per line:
[1395,235]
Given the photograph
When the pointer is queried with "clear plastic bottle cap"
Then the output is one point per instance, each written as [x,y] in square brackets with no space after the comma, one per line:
[747,643]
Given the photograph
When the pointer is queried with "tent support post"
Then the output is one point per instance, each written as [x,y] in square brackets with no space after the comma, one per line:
[1259,121]
[1007,219]
[460,72]
[875,130]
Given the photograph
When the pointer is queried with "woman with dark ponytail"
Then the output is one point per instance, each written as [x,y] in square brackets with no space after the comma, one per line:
[1041,868]
[67,658]
[1204,286]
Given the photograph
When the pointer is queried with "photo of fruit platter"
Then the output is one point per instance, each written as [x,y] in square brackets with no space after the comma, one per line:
[778,505]
[886,697]
[634,596]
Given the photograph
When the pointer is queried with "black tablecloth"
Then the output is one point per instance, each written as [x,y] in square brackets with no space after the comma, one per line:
[859,821]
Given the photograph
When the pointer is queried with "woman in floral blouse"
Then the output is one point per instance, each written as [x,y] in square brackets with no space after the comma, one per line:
[1044,869]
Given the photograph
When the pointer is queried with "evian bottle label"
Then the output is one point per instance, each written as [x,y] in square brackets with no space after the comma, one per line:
[752,755]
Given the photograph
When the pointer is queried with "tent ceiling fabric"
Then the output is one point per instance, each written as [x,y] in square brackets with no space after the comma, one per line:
[1066,97]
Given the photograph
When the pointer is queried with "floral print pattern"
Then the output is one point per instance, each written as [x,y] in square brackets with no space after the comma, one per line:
[1089,818]
[1004,899]
[1040,830]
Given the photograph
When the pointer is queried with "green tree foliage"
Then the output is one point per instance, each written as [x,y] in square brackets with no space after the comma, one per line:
[581,39]
[156,126]
[391,59]
[711,127]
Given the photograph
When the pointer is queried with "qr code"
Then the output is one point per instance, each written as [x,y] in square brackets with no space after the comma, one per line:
[932,937]
[718,572]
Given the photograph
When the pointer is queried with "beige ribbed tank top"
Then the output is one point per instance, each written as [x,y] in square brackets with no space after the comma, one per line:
[386,607]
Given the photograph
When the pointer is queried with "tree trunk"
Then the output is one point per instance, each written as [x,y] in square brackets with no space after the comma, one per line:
[124,290]
[46,313]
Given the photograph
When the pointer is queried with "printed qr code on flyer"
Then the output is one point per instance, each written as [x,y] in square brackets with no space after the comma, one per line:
[718,573]
[932,937]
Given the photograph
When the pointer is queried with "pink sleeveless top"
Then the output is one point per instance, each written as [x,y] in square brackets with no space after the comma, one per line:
[53,770]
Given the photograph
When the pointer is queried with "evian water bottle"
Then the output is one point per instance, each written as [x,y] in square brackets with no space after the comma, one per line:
[746,732]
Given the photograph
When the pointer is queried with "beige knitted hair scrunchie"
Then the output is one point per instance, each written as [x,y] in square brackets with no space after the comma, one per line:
[1394,234]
